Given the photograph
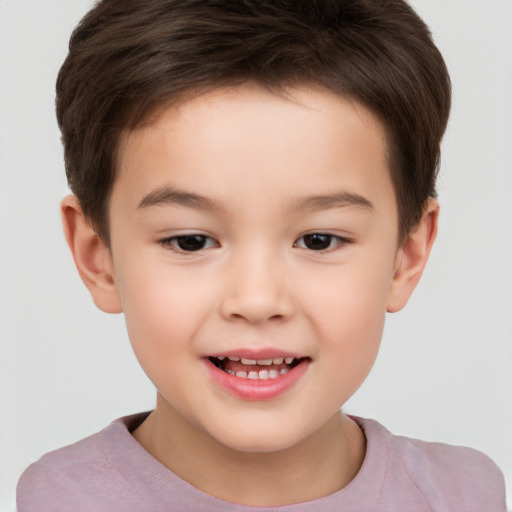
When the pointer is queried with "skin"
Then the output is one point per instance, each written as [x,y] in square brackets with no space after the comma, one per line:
[259,162]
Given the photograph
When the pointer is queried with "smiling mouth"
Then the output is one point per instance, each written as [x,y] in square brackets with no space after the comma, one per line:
[256,369]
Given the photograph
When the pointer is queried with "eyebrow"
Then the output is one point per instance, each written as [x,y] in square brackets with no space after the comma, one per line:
[329,201]
[173,197]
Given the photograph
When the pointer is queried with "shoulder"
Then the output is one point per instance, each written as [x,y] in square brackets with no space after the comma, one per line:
[447,477]
[451,475]
[77,477]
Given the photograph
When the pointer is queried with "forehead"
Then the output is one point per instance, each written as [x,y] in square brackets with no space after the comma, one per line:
[243,140]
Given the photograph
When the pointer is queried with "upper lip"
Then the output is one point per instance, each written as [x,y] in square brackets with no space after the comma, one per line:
[261,354]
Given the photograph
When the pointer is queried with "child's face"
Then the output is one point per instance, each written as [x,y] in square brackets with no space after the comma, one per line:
[248,225]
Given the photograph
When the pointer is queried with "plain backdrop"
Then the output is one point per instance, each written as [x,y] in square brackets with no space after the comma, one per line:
[445,367]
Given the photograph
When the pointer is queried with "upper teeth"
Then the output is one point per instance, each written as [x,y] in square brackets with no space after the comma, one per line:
[262,362]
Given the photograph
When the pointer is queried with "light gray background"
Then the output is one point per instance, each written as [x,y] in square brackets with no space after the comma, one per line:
[445,367]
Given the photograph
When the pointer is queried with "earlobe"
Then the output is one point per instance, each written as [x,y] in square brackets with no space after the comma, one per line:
[412,257]
[92,257]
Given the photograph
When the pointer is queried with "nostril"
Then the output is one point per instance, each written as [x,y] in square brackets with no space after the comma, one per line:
[257,298]
[253,315]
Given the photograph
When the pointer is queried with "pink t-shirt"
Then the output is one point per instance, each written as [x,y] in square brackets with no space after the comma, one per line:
[109,471]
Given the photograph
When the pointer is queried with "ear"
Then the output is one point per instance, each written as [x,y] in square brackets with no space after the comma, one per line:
[93,258]
[412,257]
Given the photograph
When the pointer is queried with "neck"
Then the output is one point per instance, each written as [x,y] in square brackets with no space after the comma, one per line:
[319,465]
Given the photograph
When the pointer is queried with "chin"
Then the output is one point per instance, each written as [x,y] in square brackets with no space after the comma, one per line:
[254,440]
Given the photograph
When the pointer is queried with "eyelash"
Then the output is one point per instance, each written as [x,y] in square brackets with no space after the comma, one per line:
[173,242]
[339,241]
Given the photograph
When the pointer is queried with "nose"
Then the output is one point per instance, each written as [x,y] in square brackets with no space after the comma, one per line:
[257,289]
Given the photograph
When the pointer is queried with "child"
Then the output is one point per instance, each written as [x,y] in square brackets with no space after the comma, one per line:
[254,188]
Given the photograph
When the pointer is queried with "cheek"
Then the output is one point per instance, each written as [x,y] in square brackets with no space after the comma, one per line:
[162,310]
[348,312]
[349,330]
[352,328]
[352,295]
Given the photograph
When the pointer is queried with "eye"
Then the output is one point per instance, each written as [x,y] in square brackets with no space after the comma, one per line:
[188,243]
[320,241]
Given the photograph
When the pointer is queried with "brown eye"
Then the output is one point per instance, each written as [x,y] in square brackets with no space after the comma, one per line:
[320,241]
[191,242]
[188,243]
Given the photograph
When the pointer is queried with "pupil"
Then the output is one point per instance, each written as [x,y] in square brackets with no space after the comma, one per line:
[317,241]
[191,242]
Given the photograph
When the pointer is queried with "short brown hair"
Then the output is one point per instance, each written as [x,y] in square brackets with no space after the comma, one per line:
[126,57]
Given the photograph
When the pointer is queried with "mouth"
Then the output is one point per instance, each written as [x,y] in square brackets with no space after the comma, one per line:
[263,375]
[256,369]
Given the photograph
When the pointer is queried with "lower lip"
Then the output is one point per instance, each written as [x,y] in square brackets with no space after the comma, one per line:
[249,389]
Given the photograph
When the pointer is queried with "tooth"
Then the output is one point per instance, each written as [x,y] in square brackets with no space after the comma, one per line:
[263,374]
[221,358]
[253,376]
[264,362]
[288,360]
[231,358]
[283,371]
[278,360]
[273,374]
[242,375]
[248,361]
[231,372]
